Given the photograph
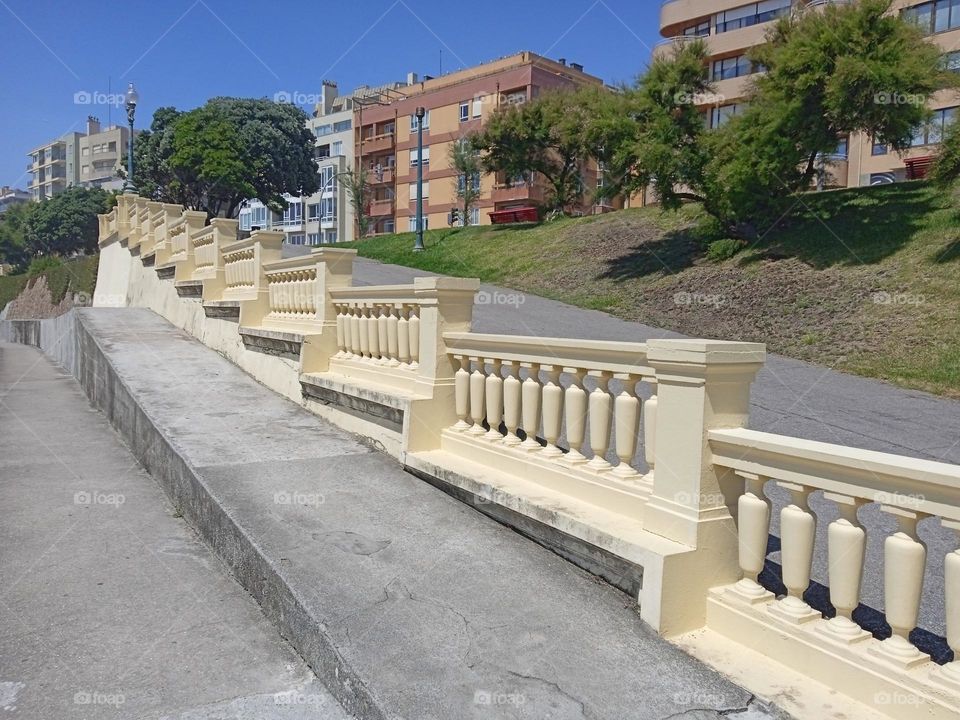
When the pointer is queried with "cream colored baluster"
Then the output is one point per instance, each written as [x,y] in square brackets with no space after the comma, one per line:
[403,338]
[347,331]
[414,337]
[626,418]
[575,411]
[341,340]
[477,392]
[904,560]
[373,331]
[461,389]
[650,429]
[364,331]
[355,333]
[273,290]
[797,533]
[392,337]
[531,407]
[228,272]
[950,673]
[552,395]
[753,529]
[494,394]
[846,548]
[383,339]
[512,388]
[601,406]
[283,282]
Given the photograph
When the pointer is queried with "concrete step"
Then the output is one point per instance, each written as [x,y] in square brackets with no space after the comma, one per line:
[404,601]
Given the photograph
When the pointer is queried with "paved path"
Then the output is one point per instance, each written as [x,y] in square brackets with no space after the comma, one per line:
[109,605]
[789,397]
[432,609]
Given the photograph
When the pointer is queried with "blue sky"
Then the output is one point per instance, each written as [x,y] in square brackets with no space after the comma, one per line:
[181,52]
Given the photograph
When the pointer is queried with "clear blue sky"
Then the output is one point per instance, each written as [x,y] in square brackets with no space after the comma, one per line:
[181,52]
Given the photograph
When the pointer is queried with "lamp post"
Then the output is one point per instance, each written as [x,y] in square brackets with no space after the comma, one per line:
[418,245]
[132,99]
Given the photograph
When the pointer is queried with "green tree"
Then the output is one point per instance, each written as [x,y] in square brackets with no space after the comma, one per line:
[543,136]
[465,160]
[229,150]
[67,223]
[13,240]
[946,167]
[357,184]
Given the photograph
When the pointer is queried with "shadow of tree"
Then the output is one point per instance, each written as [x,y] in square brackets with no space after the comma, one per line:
[675,250]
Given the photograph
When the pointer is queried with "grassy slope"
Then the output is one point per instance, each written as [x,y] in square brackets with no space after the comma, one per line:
[76,275]
[862,280]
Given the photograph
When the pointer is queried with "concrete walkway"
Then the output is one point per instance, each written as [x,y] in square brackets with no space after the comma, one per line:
[110,607]
[408,603]
[789,397]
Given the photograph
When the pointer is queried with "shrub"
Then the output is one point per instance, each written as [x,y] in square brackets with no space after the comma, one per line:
[41,264]
[720,250]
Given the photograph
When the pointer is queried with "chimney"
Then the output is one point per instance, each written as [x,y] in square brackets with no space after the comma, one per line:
[577,66]
[93,125]
[411,78]
[328,93]
[562,61]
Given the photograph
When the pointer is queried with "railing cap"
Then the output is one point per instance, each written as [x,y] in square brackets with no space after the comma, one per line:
[224,223]
[446,283]
[705,352]
[320,252]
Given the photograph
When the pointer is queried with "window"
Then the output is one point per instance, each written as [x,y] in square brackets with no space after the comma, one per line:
[879,148]
[388,226]
[295,238]
[113,146]
[474,184]
[293,214]
[313,238]
[413,223]
[244,219]
[322,130]
[951,61]
[477,107]
[699,30]
[258,216]
[934,17]
[464,111]
[733,67]
[719,116]
[330,237]
[328,209]
[518,97]
[85,170]
[752,14]
[342,126]
[475,216]
[336,149]
[932,132]
[313,211]
[413,190]
[84,151]
[322,152]
[328,179]
[415,157]
[841,150]
[426,122]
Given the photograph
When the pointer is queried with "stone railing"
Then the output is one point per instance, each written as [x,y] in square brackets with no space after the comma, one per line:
[904,489]
[513,411]
[631,451]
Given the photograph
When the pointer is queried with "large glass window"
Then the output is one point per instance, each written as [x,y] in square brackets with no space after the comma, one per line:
[415,157]
[934,17]
[752,14]
[721,115]
[426,122]
[293,214]
[731,68]
[932,132]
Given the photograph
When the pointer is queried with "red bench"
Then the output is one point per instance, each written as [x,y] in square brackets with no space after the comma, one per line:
[918,167]
[514,215]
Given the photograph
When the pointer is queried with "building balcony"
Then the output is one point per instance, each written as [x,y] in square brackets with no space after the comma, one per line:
[385,177]
[528,192]
[381,207]
[378,143]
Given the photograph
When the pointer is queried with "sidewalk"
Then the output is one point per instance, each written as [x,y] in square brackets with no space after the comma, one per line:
[790,397]
[110,606]
[408,603]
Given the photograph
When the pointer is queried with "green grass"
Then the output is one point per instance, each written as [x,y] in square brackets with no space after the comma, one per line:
[864,280]
[74,275]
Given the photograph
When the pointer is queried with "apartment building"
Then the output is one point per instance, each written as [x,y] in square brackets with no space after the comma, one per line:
[12,196]
[88,159]
[456,104]
[732,27]
[326,216]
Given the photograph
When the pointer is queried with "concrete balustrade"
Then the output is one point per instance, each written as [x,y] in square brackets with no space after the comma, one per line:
[631,459]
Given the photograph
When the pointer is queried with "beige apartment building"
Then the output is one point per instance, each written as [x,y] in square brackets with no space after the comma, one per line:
[731,27]
[456,104]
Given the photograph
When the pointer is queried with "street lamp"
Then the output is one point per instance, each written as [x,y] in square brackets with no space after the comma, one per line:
[418,245]
[132,99]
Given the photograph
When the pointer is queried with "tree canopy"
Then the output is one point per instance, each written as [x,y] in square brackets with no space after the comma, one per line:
[229,150]
[66,223]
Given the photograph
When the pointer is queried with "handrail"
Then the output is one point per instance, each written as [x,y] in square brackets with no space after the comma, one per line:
[914,484]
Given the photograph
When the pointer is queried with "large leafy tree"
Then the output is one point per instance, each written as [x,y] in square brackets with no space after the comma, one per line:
[67,223]
[543,136]
[13,239]
[465,161]
[216,156]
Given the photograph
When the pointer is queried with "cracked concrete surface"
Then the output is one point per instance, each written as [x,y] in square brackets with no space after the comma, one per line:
[406,602]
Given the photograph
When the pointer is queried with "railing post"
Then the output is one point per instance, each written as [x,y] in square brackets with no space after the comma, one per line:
[334,270]
[196,220]
[225,231]
[702,385]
